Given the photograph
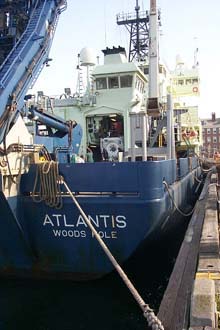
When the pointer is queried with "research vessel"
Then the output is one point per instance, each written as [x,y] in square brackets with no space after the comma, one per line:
[102,163]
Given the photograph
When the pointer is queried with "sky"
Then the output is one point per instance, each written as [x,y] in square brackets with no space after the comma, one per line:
[186,25]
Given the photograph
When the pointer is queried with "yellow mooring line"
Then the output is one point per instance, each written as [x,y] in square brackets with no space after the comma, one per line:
[209,276]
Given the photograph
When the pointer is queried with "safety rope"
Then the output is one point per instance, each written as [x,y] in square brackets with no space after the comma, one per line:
[148,313]
[206,171]
[174,203]
[199,181]
[46,181]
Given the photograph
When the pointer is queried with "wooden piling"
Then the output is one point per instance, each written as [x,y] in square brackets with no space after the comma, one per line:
[175,305]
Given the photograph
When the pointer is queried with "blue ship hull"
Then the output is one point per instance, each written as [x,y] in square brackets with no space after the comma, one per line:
[127,203]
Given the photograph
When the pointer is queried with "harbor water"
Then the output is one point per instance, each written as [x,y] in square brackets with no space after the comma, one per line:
[104,304]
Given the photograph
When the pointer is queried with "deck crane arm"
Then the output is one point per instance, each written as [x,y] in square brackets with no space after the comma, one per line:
[23,64]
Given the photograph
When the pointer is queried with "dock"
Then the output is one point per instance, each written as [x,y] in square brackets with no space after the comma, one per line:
[192,298]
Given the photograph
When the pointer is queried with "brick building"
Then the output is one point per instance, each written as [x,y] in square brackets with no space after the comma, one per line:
[211,135]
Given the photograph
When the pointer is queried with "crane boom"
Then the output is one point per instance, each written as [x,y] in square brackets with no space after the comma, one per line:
[24,62]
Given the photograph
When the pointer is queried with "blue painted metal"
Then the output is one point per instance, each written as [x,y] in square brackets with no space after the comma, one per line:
[48,119]
[183,167]
[52,143]
[127,203]
[27,58]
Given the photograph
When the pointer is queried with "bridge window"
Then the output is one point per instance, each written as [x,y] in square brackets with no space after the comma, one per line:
[101,83]
[113,82]
[146,70]
[139,84]
[126,81]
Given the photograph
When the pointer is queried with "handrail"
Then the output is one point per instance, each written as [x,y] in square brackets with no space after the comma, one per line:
[64,5]
[18,42]
[6,74]
[18,70]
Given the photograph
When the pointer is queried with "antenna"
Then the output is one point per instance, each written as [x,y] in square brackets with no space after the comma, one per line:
[196,51]
[79,85]
[105,24]
[137,25]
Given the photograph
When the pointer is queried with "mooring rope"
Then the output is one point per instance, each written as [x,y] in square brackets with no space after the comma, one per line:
[206,171]
[148,313]
[46,181]
[174,203]
[199,181]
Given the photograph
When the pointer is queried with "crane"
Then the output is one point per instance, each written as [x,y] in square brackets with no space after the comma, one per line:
[32,35]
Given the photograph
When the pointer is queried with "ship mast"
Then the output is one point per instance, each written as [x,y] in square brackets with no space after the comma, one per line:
[137,25]
[153,107]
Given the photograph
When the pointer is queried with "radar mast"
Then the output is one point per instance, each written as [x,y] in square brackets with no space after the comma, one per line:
[137,25]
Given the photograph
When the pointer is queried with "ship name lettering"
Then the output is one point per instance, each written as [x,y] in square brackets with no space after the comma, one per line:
[47,221]
[102,221]
[81,221]
[55,220]
[120,221]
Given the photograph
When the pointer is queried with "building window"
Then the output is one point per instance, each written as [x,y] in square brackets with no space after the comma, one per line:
[214,139]
[113,82]
[195,81]
[126,81]
[208,139]
[180,82]
[214,130]
[208,131]
[101,83]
